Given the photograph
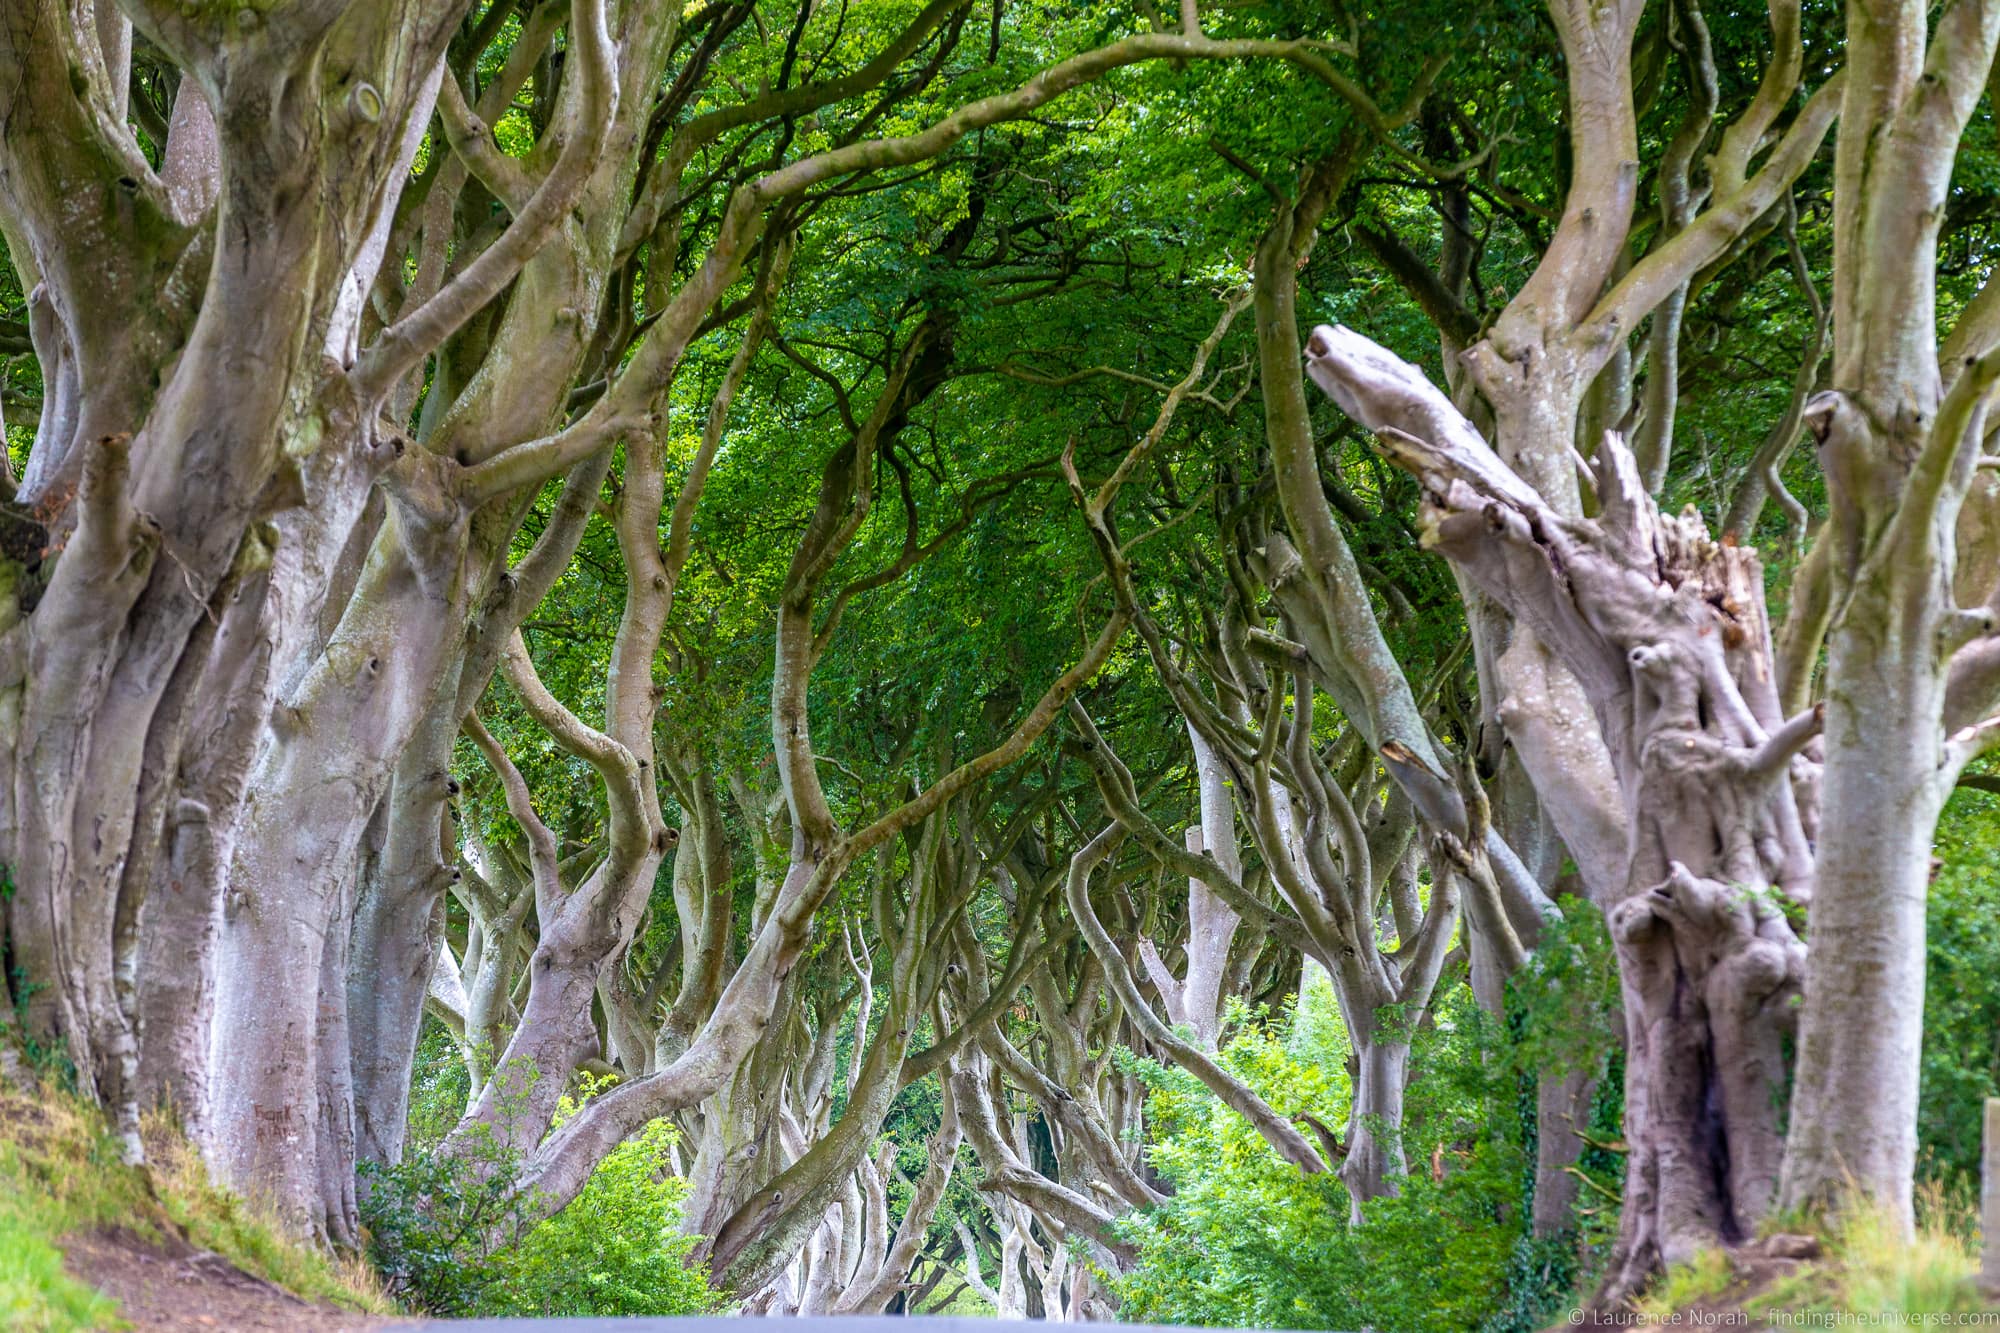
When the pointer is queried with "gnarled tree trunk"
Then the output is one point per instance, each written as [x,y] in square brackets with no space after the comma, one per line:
[1665,633]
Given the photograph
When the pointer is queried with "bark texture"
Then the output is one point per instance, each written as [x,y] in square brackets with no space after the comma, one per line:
[1664,630]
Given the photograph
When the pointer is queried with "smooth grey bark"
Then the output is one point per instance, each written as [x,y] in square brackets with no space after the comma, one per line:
[1898,453]
[1195,999]
[292,873]
[259,307]
[394,938]
[181,916]
[337,1213]
[191,162]
[451,530]
[737,1138]
[204,453]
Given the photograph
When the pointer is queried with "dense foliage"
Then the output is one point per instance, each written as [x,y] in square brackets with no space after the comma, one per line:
[1246,1239]
[452,1236]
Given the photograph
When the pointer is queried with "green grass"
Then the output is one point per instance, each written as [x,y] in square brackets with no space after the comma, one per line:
[1869,1267]
[60,1174]
[1700,1280]
[1872,1268]
[36,1295]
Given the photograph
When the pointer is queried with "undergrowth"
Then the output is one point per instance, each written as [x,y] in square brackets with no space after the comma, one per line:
[60,1174]
[1699,1281]
[455,1235]
[1872,1268]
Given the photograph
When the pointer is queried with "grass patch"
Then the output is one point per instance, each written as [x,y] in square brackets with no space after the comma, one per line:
[35,1293]
[60,1174]
[1872,1268]
[1701,1280]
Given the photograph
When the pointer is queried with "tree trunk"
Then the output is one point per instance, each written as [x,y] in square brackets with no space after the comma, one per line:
[1375,1162]
[336,1212]
[323,773]
[1899,437]
[1880,798]
[1211,923]
[181,917]
[397,920]
[1664,632]
[1562,1112]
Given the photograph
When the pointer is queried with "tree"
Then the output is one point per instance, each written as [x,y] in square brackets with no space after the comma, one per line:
[778,566]
[1899,435]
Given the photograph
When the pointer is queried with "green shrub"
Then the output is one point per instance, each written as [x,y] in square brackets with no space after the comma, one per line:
[1246,1239]
[457,1236]
[616,1250]
[434,1223]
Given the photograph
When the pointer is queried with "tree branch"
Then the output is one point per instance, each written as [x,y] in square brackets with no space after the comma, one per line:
[402,347]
